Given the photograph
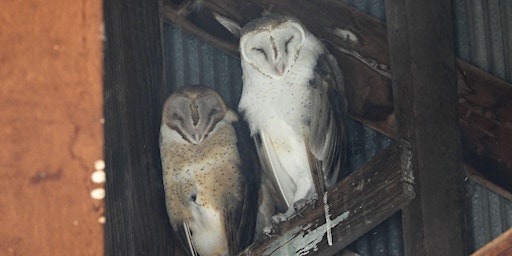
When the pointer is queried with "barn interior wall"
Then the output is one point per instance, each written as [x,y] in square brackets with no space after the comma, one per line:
[483,36]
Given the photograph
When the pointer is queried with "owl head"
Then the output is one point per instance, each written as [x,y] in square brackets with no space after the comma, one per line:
[271,44]
[194,111]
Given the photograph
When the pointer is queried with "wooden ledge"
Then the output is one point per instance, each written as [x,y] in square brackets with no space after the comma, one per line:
[354,206]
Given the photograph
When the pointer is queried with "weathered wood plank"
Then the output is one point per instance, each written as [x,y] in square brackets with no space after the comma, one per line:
[501,246]
[485,111]
[424,87]
[485,106]
[137,222]
[354,206]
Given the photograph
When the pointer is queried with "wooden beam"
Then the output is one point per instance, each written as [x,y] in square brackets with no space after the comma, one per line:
[354,206]
[425,91]
[501,246]
[485,107]
[486,112]
[137,222]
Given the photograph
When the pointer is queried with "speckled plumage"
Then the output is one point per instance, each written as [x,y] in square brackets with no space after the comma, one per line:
[293,100]
[205,185]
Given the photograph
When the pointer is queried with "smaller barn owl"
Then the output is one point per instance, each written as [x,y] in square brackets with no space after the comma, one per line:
[293,99]
[210,193]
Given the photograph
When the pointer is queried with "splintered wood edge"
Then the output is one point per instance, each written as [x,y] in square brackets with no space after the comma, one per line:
[353,207]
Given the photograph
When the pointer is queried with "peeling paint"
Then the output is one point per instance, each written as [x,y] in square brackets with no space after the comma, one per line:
[302,237]
[327,220]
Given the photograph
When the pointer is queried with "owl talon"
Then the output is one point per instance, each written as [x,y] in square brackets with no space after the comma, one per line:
[278,218]
[269,231]
[314,200]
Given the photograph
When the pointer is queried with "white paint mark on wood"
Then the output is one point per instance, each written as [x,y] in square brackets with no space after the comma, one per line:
[327,220]
[301,240]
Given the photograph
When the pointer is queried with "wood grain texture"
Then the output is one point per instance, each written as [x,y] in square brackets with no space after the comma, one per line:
[425,91]
[50,132]
[485,105]
[501,246]
[137,222]
[355,205]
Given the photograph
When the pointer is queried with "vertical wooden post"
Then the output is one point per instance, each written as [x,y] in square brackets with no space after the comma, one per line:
[424,85]
[137,222]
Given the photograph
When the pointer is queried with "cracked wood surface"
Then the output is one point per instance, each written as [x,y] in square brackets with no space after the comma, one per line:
[50,132]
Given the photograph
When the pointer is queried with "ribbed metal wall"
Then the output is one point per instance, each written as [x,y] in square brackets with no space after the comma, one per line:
[188,60]
[375,8]
[483,31]
[488,213]
[484,34]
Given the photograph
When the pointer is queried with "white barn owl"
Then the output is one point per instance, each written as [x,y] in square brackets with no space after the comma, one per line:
[293,100]
[210,191]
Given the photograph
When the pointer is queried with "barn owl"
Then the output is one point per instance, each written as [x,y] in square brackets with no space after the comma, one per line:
[293,100]
[210,193]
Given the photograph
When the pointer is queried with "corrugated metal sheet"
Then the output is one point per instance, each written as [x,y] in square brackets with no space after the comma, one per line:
[488,213]
[483,33]
[188,60]
[374,8]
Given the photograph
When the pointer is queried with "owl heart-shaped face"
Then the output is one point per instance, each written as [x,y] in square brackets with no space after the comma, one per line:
[193,112]
[272,50]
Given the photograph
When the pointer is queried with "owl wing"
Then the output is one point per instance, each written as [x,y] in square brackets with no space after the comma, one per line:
[185,238]
[327,140]
[241,218]
[269,157]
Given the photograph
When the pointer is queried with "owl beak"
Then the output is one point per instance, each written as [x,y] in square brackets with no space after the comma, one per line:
[279,68]
[197,138]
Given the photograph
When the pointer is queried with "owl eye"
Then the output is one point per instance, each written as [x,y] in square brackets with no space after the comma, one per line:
[215,111]
[176,117]
[287,43]
[260,51]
